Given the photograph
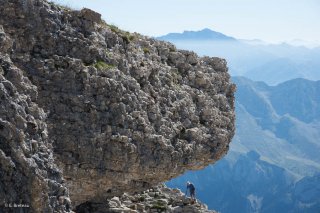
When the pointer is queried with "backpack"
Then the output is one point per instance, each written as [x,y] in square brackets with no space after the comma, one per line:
[191,187]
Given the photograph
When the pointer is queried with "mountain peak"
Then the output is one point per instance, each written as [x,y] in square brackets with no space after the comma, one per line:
[207,30]
[204,34]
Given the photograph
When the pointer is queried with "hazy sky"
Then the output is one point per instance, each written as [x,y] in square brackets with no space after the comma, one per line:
[269,20]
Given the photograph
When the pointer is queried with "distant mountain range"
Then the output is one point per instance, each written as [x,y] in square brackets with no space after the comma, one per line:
[254,59]
[274,160]
[205,34]
[281,123]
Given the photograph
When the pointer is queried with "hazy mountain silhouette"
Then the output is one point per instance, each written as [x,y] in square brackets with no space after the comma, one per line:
[254,59]
[205,34]
[284,119]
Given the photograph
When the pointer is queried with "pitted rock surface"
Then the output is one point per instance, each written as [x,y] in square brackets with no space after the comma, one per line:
[91,111]
[28,174]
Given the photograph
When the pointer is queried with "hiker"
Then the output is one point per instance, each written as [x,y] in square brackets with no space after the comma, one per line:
[192,191]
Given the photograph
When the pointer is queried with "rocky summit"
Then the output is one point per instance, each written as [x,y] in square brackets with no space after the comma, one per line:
[89,111]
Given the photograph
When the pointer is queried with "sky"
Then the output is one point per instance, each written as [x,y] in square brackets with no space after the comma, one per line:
[272,21]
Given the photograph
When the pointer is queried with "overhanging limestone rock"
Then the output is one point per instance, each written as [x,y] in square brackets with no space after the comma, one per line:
[115,112]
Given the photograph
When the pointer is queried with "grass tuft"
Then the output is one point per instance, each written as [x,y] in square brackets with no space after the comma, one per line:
[126,36]
[61,6]
[114,28]
[101,65]
[146,50]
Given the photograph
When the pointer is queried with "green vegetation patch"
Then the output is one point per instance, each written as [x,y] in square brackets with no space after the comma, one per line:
[159,205]
[101,65]
[125,35]
[142,198]
[61,6]
[146,50]
[172,49]
[114,28]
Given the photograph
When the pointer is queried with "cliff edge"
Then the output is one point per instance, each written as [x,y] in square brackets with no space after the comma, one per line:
[89,111]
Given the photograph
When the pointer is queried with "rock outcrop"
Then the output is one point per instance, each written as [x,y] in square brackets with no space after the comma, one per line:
[156,199]
[89,112]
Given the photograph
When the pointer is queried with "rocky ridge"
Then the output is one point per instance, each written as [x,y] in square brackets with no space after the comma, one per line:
[89,111]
